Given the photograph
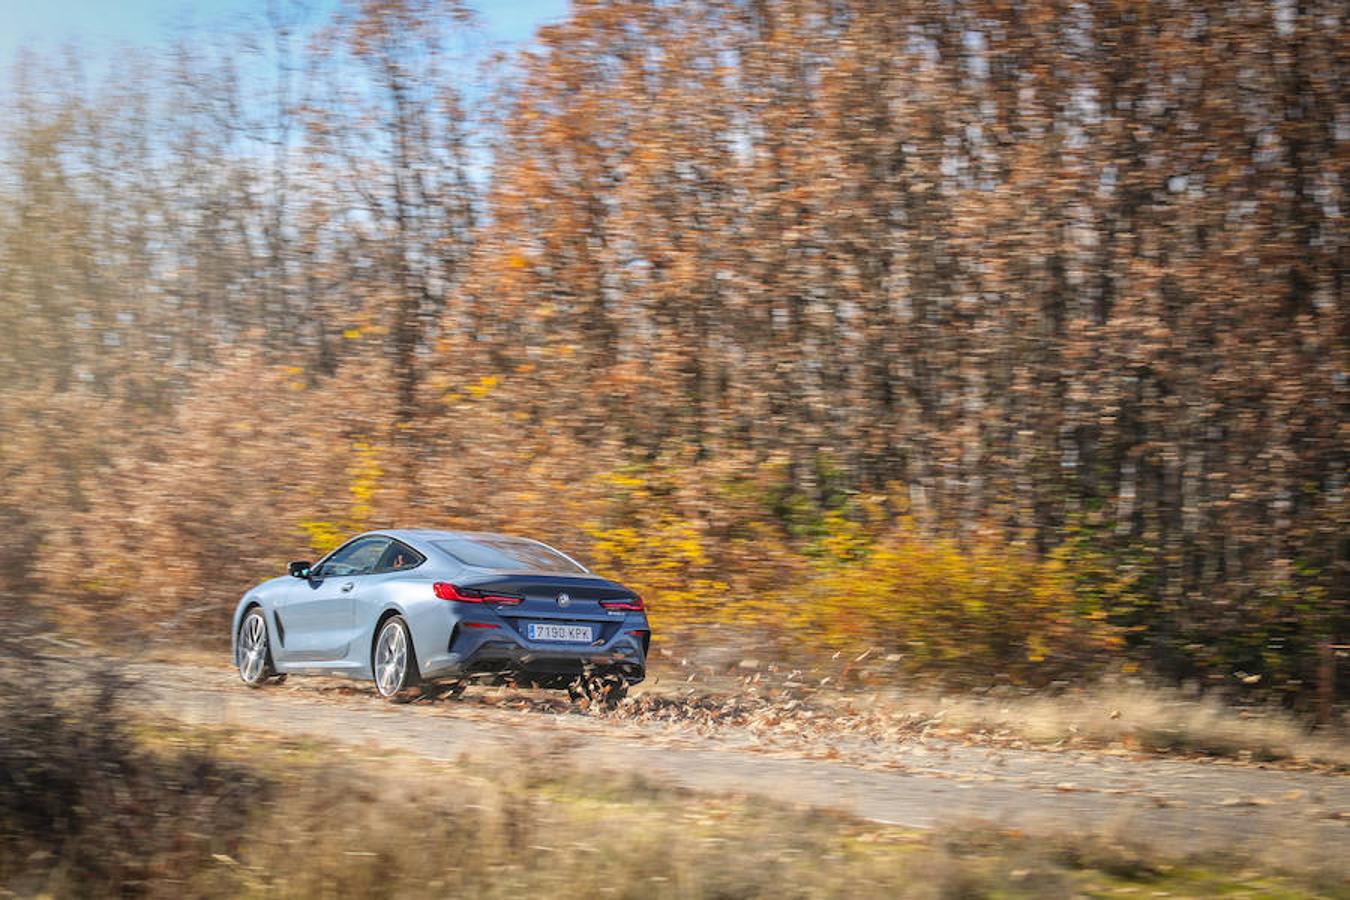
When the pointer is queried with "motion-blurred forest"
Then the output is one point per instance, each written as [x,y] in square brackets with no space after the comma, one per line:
[1003,338]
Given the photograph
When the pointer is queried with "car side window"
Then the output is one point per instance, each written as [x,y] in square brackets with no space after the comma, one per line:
[357,558]
[398,557]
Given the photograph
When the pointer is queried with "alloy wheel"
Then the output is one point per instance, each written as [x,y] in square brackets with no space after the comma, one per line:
[253,649]
[391,658]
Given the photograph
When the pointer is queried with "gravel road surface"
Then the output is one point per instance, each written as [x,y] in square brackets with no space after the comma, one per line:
[912,782]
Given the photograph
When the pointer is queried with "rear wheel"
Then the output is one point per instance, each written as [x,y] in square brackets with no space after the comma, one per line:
[393,661]
[255,655]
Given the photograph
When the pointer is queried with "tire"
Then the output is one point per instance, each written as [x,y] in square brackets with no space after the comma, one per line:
[255,650]
[393,664]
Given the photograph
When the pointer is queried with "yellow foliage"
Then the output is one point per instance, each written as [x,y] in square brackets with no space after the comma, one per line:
[984,606]
[365,473]
[484,386]
[478,390]
[987,606]
[662,561]
[323,536]
[622,480]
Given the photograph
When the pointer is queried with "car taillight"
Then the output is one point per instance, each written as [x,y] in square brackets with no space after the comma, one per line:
[447,591]
[633,604]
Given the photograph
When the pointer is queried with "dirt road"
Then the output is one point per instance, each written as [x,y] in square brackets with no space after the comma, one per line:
[915,782]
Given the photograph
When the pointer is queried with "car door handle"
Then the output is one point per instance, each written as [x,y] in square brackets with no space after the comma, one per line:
[346,588]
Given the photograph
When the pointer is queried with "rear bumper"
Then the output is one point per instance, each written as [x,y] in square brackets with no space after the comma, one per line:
[500,655]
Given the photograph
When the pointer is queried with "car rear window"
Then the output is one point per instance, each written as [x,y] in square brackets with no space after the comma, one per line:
[507,553]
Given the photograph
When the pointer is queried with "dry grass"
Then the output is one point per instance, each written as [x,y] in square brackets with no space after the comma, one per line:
[208,813]
[860,691]
[352,824]
[1154,720]
[88,809]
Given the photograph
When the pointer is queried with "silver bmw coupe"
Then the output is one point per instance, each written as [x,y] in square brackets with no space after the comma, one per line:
[435,609]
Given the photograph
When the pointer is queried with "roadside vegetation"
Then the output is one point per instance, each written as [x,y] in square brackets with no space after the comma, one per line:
[1008,338]
[87,808]
[96,801]
[973,369]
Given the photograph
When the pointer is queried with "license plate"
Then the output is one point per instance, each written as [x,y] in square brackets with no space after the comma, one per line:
[574,634]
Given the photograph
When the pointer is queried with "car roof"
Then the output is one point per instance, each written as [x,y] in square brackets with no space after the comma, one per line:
[421,539]
[432,534]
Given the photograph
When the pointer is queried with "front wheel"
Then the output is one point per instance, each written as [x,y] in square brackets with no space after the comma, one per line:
[393,661]
[255,656]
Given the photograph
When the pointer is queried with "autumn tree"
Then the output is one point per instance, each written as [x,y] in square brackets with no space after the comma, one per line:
[725,287]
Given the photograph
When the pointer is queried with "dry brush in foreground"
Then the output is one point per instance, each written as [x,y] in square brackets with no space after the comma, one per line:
[97,802]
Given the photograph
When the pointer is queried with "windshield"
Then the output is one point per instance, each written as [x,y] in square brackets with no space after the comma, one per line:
[512,554]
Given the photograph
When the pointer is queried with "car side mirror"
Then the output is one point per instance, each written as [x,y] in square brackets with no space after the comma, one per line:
[299,569]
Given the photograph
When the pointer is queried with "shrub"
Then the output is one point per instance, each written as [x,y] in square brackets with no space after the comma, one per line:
[984,609]
[84,808]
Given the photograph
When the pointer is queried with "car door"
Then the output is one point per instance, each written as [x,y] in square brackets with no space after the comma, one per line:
[317,616]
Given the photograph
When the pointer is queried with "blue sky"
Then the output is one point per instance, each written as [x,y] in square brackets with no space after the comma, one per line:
[103,25]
